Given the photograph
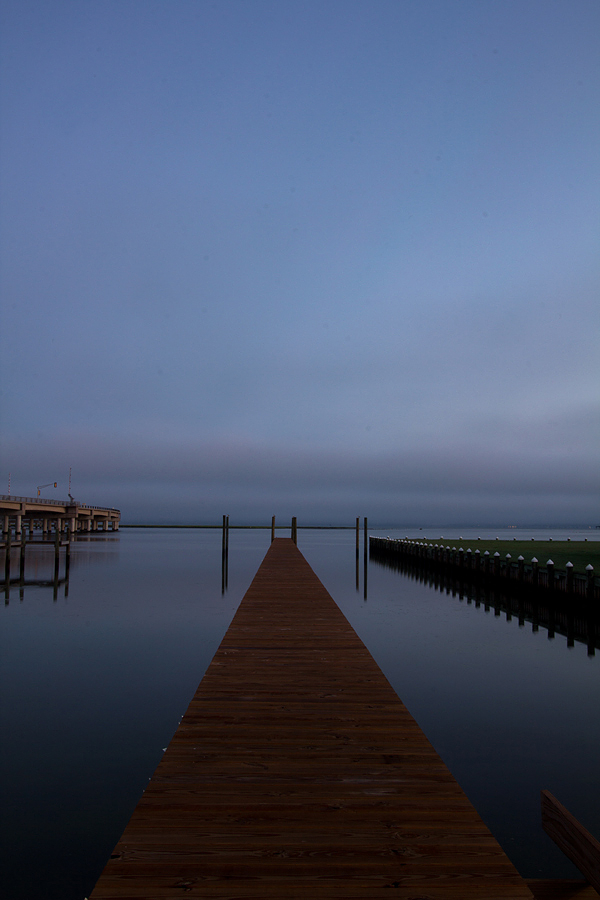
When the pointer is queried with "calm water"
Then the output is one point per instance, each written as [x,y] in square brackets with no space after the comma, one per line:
[94,684]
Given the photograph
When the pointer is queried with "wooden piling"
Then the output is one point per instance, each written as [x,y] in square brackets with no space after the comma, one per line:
[225,555]
[7,550]
[365,558]
[357,566]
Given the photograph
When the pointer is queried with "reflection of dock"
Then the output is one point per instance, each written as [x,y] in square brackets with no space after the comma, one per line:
[298,773]
[567,615]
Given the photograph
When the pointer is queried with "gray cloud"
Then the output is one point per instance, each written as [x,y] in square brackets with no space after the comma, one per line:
[233,277]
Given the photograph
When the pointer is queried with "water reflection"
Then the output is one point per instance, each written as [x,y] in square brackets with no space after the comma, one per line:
[45,562]
[93,688]
[573,618]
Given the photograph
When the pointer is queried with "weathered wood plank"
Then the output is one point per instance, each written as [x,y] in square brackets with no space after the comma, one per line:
[574,840]
[559,889]
[297,773]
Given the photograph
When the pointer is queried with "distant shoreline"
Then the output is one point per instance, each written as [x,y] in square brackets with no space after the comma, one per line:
[264,527]
[376,527]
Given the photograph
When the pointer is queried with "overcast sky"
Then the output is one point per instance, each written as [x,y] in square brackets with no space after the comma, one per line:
[316,257]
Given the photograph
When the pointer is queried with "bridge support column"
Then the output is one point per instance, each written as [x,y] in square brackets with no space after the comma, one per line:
[44,526]
[6,525]
[105,524]
[115,524]
[88,525]
[17,524]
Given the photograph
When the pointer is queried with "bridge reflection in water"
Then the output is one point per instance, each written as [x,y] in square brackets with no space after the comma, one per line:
[43,562]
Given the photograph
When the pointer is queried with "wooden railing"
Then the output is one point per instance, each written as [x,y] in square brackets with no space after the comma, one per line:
[574,840]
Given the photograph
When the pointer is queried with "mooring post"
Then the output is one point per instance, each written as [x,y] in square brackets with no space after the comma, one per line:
[223,578]
[534,571]
[589,571]
[227,553]
[569,567]
[56,552]
[67,566]
[272,528]
[22,563]
[7,567]
[56,560]
[365,560]
[294,530]
[358,553]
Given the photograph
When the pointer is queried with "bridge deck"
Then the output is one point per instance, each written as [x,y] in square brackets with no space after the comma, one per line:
[298,773]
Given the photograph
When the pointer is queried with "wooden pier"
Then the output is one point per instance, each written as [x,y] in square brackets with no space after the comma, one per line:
[297,773]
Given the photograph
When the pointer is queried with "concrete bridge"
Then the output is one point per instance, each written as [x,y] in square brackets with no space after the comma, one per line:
[20,513]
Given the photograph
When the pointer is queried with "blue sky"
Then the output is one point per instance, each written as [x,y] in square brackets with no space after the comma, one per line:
[316,258]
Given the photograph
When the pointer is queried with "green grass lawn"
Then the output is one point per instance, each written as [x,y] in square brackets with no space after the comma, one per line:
[580,553]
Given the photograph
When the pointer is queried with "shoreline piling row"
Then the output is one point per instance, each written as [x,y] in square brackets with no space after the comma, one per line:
[488,568]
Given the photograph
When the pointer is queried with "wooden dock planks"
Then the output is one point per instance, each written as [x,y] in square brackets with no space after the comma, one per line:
[297,773]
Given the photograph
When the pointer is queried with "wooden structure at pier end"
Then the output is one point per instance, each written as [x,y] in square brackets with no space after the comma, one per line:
[298,773]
